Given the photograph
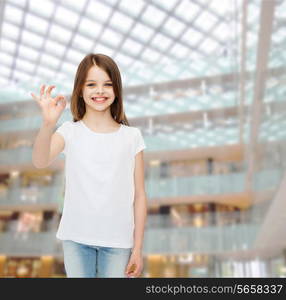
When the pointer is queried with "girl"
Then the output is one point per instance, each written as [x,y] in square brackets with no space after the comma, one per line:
[104,212]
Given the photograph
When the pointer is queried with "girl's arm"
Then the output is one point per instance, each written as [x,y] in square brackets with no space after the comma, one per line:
[140,203]
[41,147]
[47,146]
[135,264]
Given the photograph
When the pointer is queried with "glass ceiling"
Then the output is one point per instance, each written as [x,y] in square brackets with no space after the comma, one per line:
[152,41]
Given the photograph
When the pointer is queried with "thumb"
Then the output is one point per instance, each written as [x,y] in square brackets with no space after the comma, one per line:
[61,100]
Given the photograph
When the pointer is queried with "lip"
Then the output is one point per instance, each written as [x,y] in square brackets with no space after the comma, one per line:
[94,99]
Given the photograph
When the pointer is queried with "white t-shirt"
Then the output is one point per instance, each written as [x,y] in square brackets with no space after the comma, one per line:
[99,185]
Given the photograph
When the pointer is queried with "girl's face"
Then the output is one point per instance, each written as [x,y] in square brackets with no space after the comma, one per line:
[97,90]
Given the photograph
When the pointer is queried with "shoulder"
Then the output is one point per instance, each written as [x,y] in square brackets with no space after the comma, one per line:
[69,124]
[72,123]
[66,128]
[132,130]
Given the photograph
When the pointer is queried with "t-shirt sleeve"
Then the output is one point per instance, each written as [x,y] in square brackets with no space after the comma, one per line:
[65,131]
[139,142]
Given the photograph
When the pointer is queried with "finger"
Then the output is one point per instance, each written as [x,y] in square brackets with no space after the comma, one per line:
[49,89]
[35,97]
[42,90]
[129,266]
[136,272]
[130,273]
[127,269]
[133,274]
[59,98]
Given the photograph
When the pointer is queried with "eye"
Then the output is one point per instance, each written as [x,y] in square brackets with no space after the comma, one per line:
[92,84]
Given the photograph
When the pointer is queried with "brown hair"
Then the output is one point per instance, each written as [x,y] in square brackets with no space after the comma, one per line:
[106,63]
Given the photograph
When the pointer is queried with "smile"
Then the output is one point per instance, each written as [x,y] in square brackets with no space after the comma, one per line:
[99,99]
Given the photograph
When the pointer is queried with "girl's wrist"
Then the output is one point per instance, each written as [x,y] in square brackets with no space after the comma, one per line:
[48,124]
[137,250]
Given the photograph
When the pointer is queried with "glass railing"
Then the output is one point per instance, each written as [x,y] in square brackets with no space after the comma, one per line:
[33,244]
[18,155]
[209,240]
[203,219]
[159,240]
[20,124]
[211,184]
[163,187]
[50,195]
[272,128]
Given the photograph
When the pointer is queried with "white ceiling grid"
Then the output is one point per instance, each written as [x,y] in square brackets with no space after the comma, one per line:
[41,39]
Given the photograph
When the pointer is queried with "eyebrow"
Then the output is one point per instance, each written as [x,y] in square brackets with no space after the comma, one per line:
[95,80]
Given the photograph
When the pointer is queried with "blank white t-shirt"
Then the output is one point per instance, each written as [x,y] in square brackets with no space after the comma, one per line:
[99,185]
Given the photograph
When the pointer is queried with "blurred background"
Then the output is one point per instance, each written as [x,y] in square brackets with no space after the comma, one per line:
[204,80]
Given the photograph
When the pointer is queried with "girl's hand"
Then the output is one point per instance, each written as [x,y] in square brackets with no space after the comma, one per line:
[135,265]
[51,107]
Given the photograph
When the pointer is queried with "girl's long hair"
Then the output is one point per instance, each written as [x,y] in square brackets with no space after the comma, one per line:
[106,63]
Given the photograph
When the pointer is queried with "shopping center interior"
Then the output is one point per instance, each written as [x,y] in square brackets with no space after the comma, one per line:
[204,81]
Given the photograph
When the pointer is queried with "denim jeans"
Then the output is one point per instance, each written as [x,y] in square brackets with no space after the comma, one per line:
[87,261]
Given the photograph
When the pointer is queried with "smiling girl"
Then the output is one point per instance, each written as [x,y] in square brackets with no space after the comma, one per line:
[105,205]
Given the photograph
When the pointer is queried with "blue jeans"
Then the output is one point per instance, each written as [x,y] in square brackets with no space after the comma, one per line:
[94,261]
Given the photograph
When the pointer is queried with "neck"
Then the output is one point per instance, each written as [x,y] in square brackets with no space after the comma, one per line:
[99,119]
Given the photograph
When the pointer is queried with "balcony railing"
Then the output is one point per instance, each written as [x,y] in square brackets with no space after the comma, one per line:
[208,240]
[32,195]
[162,187]
[205,219]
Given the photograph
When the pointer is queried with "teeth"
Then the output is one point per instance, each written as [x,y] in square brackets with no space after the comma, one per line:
[98,99]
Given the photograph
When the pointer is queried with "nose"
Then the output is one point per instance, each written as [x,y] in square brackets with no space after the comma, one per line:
[100,89]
